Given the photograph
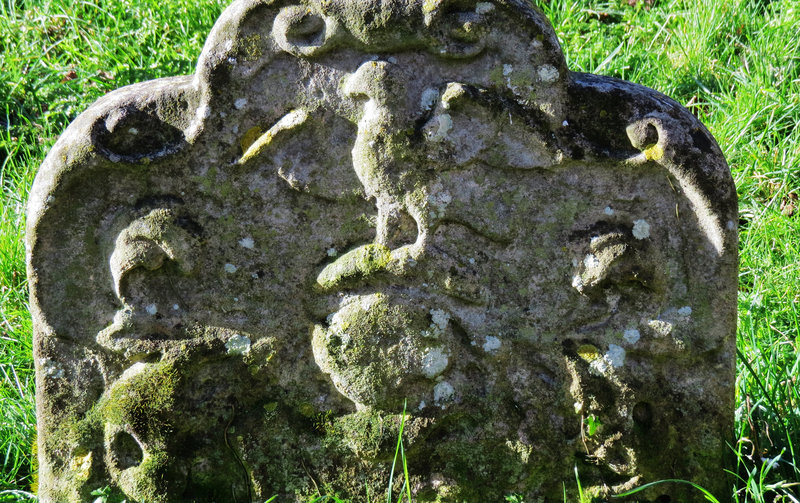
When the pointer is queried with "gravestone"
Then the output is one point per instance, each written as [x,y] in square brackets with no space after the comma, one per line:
[358,217]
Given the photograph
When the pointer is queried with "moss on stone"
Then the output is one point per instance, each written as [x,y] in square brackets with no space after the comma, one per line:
[78,434]
[150,480]
[370,434]
[496,76]
[358,263]
[144,401]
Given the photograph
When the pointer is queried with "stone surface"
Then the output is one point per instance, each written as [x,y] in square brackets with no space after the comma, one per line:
[241,278]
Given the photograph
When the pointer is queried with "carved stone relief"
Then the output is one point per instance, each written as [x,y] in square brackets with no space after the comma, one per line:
[356,215]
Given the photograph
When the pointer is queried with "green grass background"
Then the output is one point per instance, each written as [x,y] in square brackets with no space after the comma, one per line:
[734,63]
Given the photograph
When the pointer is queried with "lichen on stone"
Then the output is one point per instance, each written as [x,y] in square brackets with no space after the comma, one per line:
[361,215]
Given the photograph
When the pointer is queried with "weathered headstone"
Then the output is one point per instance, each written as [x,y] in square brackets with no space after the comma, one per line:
[241,278]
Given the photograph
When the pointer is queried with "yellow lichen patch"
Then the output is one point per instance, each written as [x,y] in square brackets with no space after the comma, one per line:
[250,137]
[520,449]
[589,353]
[250,47]
[453,93]
[429,6]
[654,153]
[288,122]
[81,464]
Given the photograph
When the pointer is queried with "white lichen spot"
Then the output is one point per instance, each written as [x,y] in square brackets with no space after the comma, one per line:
[445,125]
[434,362]
[507,69]
[660,327]
[608,211]
[230,268]
[236,299]
[439,319]
[240,103]
[51,369]
[641,229]
[203,112]
[238,345]
[254,275]
[590,261]
[332,252]
[615,355]
[247,242]
[482,8]
[600,366]
[632,336]
[685,311]
[492,344]
[228,45]
[548,73]
[612,299]
[443,392]
[151,309]
[175,307]
[731,225]
[471,261]
[441,199]
[577,282]
[429,98]
[133,131]
[565,123]
[578,407]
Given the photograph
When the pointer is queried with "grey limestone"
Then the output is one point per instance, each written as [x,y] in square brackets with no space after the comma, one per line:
[362,214]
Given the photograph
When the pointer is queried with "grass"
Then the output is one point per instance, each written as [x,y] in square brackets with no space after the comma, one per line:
[734,63]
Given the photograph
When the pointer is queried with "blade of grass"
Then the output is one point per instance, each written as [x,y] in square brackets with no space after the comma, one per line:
[708,496]
[397,453]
